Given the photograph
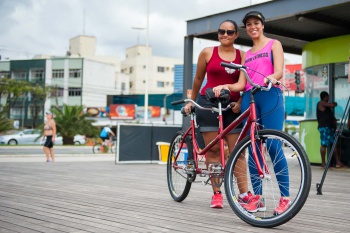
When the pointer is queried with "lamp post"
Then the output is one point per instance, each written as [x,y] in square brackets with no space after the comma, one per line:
[147,54]
[138,33]
[146,89]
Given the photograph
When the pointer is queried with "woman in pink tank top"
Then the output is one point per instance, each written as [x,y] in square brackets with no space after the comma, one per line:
[209,65]
[267,57]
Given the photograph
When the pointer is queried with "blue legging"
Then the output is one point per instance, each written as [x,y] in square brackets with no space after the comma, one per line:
[270,112]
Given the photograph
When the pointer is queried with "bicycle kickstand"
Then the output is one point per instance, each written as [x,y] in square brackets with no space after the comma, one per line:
[206,182]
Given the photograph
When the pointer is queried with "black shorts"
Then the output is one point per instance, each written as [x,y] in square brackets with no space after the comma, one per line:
[209,122]
[105,138]
[48,142]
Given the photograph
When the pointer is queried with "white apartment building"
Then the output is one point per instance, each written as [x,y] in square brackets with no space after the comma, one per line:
[160,71]
[84,78]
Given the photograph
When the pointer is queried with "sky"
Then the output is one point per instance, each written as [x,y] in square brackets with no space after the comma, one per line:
[30,27]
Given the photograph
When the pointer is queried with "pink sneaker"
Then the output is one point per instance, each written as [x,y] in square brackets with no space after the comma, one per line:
[216,201]
[255,204]
[283,206]
[245,200]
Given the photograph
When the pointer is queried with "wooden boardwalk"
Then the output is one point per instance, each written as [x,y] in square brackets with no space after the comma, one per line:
[105,197]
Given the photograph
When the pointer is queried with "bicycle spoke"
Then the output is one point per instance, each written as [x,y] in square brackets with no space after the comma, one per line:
[287,172]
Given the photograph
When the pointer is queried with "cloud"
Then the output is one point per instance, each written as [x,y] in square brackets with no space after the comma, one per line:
[32,27]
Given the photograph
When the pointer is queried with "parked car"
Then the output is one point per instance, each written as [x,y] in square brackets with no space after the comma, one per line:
[78,139]
[27,136]
[33,136]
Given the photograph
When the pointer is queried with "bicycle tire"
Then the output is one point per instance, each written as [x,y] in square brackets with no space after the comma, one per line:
[96,149]
[112,147]
[179,180]
[298,169]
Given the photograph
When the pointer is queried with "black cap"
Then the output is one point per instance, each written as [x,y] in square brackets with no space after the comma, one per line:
[256,14]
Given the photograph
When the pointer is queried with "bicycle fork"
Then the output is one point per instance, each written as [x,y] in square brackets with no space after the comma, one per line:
[257,142]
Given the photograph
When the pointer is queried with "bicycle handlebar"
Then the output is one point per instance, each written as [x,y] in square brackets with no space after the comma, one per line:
[198,106]
[230,66]
[244,69]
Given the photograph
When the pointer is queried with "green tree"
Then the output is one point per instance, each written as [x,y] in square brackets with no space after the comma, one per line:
[12,90]
[38,95]
[71,120]
[5,123]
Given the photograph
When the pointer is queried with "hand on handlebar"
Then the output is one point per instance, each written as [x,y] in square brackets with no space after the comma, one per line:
[236,107]
[188,107]
[217,90]
[270,79]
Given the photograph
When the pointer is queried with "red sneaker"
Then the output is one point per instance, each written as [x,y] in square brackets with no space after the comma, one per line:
[283,206]
[245,200]
[255,204]
[216,201]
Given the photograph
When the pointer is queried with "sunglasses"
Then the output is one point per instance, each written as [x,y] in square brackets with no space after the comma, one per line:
[222,32]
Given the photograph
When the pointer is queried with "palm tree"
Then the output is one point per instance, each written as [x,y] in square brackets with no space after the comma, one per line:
[71,120]
[5,123]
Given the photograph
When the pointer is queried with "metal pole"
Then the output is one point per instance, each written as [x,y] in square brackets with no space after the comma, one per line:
[147,54]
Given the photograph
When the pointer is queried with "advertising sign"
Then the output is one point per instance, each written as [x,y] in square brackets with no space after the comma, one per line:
[98,112]
[153,111]
[122,111]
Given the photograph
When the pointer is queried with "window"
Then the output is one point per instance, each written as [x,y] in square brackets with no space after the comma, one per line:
[16,112]
[19,75]
[131,70]
[160,84]
[161,69]
[57,73]
[123,87]
[57,91]
[37,74]
[4,74]
[74,91]
[74,73]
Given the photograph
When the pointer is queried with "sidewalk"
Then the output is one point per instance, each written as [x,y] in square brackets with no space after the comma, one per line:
[73,157]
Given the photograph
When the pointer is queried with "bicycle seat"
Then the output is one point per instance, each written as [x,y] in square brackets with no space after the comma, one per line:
[223,98]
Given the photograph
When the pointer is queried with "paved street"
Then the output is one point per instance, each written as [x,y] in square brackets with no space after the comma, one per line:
[62,154]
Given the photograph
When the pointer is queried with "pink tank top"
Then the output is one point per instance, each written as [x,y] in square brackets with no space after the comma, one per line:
[217,75]
[261,61]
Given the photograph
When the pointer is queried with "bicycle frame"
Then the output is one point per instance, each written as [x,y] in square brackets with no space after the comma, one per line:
[250,126]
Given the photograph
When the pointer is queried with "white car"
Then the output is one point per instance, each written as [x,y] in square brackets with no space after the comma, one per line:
[33,136]
[27,136]
[78,139]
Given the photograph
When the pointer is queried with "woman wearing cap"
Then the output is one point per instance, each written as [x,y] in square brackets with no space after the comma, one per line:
[209,65]
[50,134]
[267,57]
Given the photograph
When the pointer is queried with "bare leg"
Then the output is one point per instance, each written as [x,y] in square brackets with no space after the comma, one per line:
[46,151]
[337,157]
[52,153]
[213,155]
[240,170]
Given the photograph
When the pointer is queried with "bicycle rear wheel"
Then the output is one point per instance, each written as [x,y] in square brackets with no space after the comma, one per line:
[284,157]
[97,148]
[182,172]
[113,147]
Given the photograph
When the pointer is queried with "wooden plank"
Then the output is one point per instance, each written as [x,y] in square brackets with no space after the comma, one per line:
[104,197]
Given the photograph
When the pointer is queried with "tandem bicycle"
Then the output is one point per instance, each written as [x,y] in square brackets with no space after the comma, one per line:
[254,141]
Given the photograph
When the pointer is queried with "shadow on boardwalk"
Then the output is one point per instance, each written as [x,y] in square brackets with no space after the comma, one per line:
[103,197]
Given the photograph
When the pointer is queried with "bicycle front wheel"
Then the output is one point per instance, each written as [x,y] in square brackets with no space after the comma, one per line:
[287,173]
[97,148]
[181,172]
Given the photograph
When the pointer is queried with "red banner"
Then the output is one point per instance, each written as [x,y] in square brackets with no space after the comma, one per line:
[122,111]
